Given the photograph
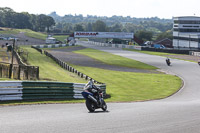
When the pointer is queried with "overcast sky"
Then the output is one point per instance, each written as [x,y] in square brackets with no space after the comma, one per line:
[133,8]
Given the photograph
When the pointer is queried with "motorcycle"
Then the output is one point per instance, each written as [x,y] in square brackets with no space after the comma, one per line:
[168,62]
[94,99]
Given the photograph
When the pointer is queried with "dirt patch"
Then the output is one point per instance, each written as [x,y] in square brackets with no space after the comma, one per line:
[67,55]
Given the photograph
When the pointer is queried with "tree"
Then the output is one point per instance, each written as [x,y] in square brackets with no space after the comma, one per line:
[89,27]
[167,34]
[78,27]
[22,21]
[116,28]
[44,22]
[99,26]
[144,35]
[49,22]
[7,17]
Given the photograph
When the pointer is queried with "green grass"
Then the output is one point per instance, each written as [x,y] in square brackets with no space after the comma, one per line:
[34,34]
[61,37]
[9,31]
[49,70]
[130,86]
[114,59]
[27,32]
[4,55]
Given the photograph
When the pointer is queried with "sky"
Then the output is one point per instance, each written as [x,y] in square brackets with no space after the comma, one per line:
[135,8]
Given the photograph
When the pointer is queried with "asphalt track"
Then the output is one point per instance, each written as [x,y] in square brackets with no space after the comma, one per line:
[176,114]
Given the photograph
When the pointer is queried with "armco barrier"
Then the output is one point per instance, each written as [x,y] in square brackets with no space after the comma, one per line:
[10,90]
[51,46]
[37,90]
[47,90]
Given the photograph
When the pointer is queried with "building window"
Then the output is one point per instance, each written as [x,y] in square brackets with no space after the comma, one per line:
[187,39]
[186,22]
[187,30]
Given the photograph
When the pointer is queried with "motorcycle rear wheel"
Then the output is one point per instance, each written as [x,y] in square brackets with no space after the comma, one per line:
[104,106]
[90,106]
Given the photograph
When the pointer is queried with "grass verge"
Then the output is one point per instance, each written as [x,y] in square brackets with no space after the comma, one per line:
[49,70]
[61,37]
[114,59]
[130,86]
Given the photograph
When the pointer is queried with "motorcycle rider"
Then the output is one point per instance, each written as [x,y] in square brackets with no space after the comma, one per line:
[168,60]
[198,62]
[90,88]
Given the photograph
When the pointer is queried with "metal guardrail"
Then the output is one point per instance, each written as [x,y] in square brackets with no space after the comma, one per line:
[50,46]
[41,90]
[194,53]
[10,90]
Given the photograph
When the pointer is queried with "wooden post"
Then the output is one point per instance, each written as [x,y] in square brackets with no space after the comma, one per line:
[11,65]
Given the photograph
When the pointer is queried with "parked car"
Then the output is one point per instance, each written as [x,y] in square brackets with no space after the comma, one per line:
[158,46]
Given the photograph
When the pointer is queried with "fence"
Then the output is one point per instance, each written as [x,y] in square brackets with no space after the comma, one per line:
[167,50]
[30,90]
[116,45]
[24,71]
[19,71]
[176,51]
[4,70]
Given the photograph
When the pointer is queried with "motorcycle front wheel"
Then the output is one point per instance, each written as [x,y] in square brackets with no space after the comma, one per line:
[90,106]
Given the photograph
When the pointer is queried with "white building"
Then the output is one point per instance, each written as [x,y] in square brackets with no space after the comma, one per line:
[186,32]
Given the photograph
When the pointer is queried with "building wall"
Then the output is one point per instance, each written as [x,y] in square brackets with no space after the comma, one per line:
[186,32]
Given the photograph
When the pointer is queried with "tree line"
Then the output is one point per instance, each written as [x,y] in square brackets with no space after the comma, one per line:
[144,28]
[11,19]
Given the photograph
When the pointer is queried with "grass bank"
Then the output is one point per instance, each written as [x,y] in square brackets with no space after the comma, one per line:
[130,86]
[114,59]
[27,32]
[49,70]
[61,37]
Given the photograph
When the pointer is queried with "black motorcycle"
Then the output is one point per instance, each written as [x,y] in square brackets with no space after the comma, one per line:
[168,62]
[94,99]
